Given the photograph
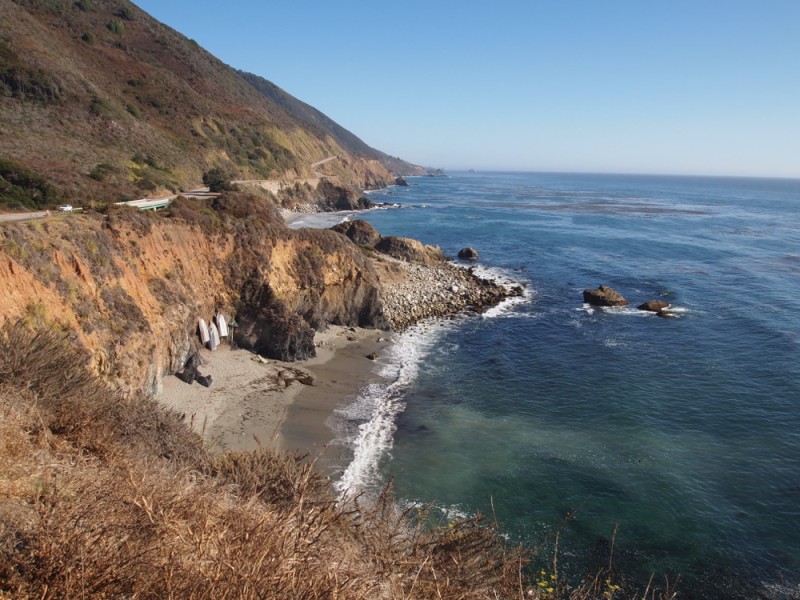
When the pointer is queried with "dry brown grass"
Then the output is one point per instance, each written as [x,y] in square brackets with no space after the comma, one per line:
[103,496]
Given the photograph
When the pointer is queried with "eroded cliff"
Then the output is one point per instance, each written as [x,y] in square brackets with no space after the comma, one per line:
[130,286]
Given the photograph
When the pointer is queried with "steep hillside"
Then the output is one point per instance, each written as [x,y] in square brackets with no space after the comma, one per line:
[327,126]
[104,102]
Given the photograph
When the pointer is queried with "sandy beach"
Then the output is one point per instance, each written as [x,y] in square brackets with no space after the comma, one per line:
[254,401]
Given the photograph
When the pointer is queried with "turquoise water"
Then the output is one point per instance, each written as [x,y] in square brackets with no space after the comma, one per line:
[684,433]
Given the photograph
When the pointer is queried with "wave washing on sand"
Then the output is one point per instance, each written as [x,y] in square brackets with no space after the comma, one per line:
[368,424]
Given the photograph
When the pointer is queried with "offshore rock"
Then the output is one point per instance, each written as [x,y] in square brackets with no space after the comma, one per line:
[468,254]
[604,296]
[401,182]
[359,232]
[655,306]
[410,250]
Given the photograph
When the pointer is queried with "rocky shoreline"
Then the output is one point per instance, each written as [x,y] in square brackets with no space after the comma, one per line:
[441,290]
[417,281]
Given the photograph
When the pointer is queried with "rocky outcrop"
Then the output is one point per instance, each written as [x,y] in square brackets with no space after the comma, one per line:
[268,328]
[359,232]
[338,197]
[400,182]
[604,296]
[468,254]
[410,250]
[655,306]
[413,292]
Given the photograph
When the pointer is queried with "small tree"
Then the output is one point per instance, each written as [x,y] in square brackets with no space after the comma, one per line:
[218,180]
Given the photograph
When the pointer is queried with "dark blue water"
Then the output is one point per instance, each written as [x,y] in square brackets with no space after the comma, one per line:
[684,433]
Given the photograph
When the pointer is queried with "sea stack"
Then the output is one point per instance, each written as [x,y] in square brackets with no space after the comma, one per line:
[604,296]
[655,306]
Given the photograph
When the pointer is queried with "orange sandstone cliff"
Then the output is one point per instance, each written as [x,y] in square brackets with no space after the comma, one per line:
[130,286]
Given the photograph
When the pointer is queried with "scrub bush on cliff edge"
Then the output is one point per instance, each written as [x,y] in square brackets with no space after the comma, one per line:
[21,188]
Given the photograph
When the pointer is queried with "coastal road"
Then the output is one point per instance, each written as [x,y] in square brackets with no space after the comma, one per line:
[198,193]
[324,161]
[28,216]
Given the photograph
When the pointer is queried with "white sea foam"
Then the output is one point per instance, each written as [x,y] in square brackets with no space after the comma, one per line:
[318,220]
[325,220]
[628,311]
[621,311]
[507,280]
[377,406]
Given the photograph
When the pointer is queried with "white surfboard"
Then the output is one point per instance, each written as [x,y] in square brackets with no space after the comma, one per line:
[201,324]
[222,326]
[214,341]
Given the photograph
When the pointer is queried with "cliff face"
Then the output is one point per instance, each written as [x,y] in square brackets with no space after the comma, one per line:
[130,286]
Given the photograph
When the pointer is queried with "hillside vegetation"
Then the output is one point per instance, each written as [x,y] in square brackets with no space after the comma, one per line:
[103,103]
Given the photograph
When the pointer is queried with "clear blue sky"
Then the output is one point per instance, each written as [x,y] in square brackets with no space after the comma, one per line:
[627,86]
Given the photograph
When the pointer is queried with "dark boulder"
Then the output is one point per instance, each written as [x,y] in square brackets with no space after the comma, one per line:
[468,254]
[193,362]
[655,306]
[400,181]
[359,232]
[204,380]
[187,375]
[373,356]
[410,250]
[604,296]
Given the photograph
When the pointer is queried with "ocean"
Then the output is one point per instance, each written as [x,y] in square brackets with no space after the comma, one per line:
[676,441]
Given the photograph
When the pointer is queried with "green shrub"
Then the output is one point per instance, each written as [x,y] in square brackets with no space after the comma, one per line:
[125,13]
[85,5]
[146,185]
[101,171]
[19,81]
[88,37]
[218,180]
[134,110]
[147,160]
[21,188]
[115,26]
[100,107]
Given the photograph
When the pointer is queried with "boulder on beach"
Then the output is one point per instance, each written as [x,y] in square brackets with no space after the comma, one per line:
[604,296]
[359,232]
[655,306]
[468,254]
